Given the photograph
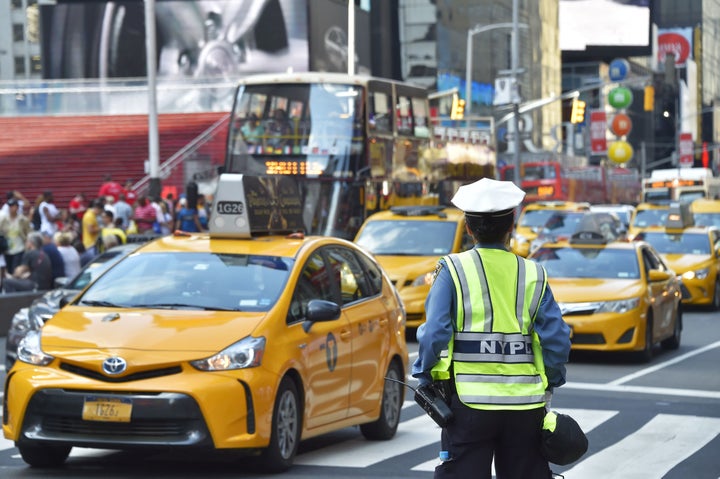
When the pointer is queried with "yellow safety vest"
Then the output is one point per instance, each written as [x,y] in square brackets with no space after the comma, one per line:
[495,352]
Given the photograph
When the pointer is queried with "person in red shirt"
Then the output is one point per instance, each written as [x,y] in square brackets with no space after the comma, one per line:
[110,188]
[145,215]
[78,206]
[130,195]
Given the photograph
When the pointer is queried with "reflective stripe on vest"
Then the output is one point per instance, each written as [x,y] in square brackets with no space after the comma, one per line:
[496,355]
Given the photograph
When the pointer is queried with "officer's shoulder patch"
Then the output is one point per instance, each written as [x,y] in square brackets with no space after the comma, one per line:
[438,268]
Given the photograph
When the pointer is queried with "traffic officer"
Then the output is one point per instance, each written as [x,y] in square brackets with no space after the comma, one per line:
[495,340]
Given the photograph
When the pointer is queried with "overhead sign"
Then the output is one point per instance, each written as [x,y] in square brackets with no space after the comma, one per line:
[676,42]
[620,152]
[621,124]
[598,125]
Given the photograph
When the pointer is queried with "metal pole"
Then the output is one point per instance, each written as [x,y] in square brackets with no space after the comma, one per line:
[351,37]
[151,62]
[514,61]
[468,74]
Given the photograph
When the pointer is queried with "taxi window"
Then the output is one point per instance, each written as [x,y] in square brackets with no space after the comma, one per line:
[314,282]
[373,275]
[645,218]
[602,263]
[353,286]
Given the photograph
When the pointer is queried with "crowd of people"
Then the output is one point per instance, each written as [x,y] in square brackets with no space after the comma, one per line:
[41,241]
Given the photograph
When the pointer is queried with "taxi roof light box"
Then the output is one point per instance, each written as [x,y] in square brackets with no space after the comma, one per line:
[247,206]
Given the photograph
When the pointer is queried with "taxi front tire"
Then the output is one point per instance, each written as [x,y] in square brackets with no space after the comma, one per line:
[386,425]
[43,455]
[286,427]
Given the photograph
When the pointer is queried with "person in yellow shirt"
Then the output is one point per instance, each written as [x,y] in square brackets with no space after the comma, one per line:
[110,228]
[91,224]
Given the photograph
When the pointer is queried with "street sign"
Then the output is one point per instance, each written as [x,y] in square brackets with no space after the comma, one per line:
[686,148]
[598,125]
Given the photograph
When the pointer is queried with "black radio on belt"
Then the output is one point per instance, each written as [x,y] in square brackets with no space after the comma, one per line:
[432,402]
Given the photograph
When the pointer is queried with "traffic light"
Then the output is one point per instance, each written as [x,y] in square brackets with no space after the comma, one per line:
[578,111]
[649,98]
[458,108]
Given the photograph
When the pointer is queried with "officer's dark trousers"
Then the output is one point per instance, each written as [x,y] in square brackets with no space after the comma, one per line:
[475,436]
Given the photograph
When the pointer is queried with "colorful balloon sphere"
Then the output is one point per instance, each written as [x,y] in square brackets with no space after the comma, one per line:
[621,124]
[620,97]
[620,152]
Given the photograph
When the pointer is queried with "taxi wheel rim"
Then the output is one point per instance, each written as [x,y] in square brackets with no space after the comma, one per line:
[287,424]
[391,398]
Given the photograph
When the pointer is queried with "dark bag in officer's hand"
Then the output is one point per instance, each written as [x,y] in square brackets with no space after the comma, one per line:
[563,440]
[432,402]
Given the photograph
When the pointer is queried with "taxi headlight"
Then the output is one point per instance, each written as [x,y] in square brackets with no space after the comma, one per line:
[622,306]
[246,353]
[697,274]
[520,239]
[29,350]
[423,280]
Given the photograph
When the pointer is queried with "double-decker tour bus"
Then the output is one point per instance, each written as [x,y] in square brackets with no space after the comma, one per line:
[551,181]
[680,184]
[356,144]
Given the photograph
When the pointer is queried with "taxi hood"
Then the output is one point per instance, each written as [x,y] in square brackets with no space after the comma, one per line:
[681,263]
[404,269]
[191,333]
[577,290]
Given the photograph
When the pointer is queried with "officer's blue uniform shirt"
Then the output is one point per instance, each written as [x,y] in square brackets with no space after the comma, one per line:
[434,336]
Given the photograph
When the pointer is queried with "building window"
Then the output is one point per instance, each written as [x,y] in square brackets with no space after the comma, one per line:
[35,64]
[19,65]
[18,32]
[16,4]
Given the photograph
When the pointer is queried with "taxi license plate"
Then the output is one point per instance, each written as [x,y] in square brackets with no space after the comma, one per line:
[106,409]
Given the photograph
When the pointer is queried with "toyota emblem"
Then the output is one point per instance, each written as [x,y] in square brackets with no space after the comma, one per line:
[114,365]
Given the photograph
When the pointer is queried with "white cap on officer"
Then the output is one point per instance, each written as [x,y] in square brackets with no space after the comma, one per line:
[487,196]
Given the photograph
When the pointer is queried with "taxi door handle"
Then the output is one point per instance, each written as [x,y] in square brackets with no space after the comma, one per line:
[383,322]
[346,334]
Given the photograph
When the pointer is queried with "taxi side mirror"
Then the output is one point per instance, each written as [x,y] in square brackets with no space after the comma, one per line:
[320,310]
[656,275]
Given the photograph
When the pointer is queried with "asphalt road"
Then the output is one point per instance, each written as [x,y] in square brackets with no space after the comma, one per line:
[655,420]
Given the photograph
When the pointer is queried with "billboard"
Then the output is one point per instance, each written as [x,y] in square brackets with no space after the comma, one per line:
[600,30]
[199,38]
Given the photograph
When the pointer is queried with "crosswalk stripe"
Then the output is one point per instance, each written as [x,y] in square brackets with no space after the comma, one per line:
[412,434]
[651,451]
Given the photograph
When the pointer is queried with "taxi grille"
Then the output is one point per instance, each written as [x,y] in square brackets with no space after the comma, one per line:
[159,419]
[585,338]
[92,374]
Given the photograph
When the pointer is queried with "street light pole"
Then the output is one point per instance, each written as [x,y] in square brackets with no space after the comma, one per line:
[514,62]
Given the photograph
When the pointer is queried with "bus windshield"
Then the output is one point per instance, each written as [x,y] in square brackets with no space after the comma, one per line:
[300,129]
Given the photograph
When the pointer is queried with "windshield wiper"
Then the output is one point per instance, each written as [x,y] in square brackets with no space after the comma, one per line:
[101,303]
[180,306]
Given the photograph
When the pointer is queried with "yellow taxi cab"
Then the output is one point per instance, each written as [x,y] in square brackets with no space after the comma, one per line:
[532,220]
[248,338]
[408,242]
[616,296]
[693,252]
[706,212]
[647,215]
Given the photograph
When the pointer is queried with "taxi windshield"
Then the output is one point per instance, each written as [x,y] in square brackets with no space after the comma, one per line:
[645,218]
[536,218]
[677,243]
[563,222]
[408,238]
[707,219]
[601,263]
[204,281]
